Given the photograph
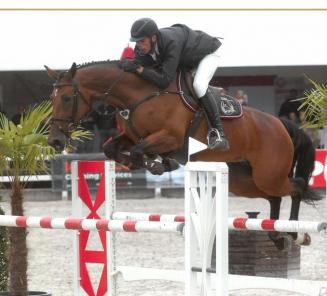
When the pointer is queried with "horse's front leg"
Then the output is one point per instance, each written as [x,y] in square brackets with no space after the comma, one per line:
[116,146]
[157,143]
[111,146]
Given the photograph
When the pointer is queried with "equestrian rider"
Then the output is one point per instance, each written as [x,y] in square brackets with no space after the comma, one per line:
[158,54]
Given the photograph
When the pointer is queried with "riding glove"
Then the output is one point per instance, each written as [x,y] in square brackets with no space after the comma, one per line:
[129,65]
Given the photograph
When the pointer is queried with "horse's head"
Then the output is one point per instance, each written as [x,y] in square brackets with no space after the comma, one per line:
[70,104]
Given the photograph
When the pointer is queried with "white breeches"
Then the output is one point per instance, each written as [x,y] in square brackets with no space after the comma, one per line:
[205,71]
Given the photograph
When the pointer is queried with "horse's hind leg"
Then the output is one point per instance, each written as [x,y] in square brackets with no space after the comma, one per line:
[275,207]
[281,242]
[241,183]
[299,188]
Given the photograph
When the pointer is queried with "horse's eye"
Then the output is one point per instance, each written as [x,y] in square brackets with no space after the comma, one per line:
[66,99]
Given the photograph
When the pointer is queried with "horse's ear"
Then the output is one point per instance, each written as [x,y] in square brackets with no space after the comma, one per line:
[72,70]
[52,73]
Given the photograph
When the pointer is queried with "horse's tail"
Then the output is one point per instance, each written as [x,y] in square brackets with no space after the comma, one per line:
[303,160]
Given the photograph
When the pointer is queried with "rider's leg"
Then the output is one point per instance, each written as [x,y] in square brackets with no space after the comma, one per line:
[204,73]
[216,135]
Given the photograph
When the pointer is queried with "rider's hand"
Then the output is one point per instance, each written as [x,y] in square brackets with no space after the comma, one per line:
[129,65]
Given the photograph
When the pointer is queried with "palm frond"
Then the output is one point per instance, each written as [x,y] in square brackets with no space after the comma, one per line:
[315,106]
[4,122]
[35,158]
[36,118]
[24,148]
[81,134]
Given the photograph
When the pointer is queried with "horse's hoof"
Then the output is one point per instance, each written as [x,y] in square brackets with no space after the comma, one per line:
[307,240]
[155,168]
[303,239]
[170,164]
[281,242]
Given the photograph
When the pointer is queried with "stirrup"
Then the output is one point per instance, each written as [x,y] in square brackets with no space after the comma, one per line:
[216,141]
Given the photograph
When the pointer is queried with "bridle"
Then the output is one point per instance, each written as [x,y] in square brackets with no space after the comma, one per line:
[71,121]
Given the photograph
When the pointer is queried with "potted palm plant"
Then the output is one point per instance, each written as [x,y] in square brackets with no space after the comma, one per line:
[23,151]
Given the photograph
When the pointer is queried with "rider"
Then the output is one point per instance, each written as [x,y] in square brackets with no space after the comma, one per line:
[158,54]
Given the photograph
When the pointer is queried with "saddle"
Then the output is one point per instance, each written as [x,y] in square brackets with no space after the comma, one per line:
[229,107]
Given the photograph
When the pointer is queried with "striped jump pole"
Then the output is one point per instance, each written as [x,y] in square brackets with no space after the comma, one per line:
[147,217]
[91,224]
[235,223]
[277,225]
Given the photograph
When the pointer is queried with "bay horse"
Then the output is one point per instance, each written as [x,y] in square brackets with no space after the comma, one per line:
[263,150]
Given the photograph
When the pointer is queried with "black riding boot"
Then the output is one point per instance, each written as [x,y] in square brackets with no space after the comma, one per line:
[216,136]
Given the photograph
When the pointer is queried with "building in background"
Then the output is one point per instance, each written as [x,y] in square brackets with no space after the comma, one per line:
[266,87]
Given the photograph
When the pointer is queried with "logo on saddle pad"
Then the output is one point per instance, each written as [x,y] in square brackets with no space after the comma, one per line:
[227,107]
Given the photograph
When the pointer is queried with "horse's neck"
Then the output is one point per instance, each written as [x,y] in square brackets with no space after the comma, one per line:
[132,89]
[97,82]
[124,89]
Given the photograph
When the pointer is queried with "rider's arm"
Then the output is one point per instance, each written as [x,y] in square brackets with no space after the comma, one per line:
[165,74]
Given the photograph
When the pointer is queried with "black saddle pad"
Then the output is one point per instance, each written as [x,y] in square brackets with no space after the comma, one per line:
[229,106]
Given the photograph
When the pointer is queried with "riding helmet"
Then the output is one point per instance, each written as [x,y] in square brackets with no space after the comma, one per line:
[144,27]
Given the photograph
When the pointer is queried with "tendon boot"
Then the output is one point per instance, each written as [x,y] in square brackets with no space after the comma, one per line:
[216,136]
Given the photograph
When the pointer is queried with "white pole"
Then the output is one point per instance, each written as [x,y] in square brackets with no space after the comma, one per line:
[201,209]
[110,203]
[222,230]
[76,212]
[189,230]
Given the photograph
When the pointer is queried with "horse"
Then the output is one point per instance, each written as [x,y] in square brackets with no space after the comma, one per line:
[263,149]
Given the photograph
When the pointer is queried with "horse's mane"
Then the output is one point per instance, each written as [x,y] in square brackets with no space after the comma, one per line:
[89,64]
[94,63]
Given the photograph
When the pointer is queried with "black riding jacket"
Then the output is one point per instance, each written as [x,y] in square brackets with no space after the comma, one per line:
[179,47]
